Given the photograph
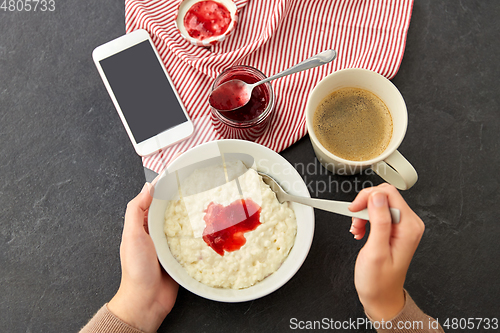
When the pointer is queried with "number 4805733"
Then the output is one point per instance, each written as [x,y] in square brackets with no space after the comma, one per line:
[28,5]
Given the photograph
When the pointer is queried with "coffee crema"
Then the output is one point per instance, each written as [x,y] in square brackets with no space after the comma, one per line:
[353,124]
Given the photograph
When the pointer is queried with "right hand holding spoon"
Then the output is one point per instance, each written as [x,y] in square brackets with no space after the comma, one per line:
[382,263]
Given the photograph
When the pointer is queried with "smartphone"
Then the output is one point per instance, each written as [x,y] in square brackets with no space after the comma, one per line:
[142,92]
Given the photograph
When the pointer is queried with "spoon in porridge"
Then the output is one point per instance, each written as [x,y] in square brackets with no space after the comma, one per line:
[339,207]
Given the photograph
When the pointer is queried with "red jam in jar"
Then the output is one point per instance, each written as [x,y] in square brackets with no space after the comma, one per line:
[207,19]
[251,120]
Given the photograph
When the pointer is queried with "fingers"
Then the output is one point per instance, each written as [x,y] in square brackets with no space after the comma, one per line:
[380,221]
[401,239]
[358,228]
[394,197]
[411,226]
[136,211]
[361,200]
[145,197]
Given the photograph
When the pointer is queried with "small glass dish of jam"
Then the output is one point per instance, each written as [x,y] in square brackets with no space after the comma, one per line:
[251,120]
[206,22]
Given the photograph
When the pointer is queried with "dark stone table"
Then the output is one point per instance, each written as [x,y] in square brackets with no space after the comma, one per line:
[67,170]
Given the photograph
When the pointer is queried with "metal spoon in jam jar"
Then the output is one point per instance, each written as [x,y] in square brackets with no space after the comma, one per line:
[233,94]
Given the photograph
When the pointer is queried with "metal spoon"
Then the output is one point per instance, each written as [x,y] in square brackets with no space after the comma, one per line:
[234,94]
[339,207]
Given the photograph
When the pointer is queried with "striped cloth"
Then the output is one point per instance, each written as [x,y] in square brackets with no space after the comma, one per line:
[273,35]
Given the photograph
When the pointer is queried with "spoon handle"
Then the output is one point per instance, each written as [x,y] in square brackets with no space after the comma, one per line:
[339,207]
[315,61]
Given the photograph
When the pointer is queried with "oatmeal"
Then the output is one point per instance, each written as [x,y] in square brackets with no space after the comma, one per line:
[230,236]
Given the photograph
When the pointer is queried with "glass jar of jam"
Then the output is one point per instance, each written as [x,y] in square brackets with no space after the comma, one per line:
[251,120]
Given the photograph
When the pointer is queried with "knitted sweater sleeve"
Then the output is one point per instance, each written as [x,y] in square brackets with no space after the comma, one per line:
[410,320]
[106,322]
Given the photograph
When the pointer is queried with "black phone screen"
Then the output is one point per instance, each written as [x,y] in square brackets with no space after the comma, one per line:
[143,92]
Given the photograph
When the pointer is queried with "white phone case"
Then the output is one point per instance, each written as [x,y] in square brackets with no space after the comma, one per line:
[164,139]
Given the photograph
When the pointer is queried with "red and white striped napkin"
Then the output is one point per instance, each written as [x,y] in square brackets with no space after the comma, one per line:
[273,35]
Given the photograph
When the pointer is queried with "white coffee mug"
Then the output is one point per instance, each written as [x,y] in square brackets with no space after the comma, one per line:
[390,165]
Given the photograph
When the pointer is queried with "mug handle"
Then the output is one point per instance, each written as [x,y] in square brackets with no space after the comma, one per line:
[396,170]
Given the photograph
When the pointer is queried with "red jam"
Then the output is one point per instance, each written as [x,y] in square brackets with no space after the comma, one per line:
[230,95]
[255,106]
[252,120]
[207,19]
[226,226]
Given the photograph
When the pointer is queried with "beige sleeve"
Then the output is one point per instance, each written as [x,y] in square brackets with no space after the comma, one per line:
[410,320]
[106,322]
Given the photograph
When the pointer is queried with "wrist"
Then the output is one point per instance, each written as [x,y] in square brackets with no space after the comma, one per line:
[135,313]
[384,308]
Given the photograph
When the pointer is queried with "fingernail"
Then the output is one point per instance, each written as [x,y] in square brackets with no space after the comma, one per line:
[146,187]
[379,199]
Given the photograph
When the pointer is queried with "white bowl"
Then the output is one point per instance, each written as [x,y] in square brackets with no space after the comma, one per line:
[266,161]
[183,8]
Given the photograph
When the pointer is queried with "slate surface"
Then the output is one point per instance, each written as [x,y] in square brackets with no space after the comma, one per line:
[67,171]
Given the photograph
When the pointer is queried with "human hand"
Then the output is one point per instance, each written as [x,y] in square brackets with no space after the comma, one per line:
[382,263]
[147,293]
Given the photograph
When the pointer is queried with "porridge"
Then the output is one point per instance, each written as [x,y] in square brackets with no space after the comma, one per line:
[232,235]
